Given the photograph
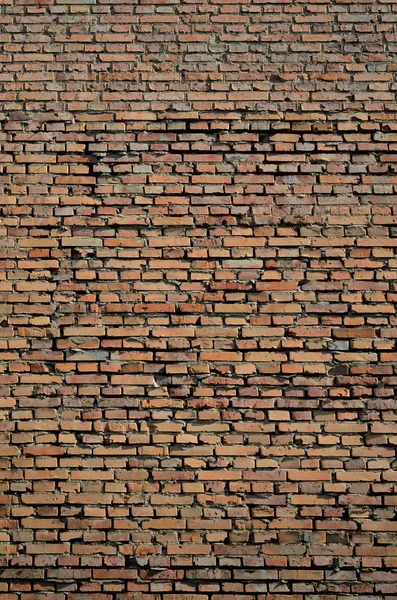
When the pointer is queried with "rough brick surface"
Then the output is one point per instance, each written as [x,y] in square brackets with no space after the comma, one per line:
[198,285]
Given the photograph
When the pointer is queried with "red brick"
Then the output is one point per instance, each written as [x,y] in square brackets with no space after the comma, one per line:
[197,300]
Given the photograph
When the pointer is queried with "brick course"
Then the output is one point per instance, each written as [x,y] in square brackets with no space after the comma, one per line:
[198,286]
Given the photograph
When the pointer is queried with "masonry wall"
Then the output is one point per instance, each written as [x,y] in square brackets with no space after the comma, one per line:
[198,287]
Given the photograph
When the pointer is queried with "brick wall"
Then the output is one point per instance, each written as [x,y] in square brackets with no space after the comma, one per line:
[198,280]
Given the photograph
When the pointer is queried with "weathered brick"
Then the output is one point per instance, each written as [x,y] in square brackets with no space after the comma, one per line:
[197,299]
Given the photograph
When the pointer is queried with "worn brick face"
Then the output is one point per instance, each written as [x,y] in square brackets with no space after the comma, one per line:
[198,283]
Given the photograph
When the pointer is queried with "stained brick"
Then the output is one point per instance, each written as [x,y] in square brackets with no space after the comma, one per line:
[197,299]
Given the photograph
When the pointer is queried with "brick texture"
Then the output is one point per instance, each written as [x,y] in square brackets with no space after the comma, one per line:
[198,286]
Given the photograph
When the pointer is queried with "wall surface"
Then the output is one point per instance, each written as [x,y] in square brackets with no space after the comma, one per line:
[198,286]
